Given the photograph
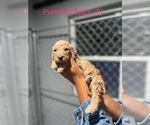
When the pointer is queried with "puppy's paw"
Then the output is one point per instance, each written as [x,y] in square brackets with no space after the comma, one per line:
[91,109]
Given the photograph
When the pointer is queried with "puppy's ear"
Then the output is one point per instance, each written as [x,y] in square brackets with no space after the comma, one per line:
[73,53]
[52,52]
[54,66]
[52,56]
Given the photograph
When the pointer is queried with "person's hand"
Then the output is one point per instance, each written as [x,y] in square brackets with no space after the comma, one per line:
[72,72]
[103,87]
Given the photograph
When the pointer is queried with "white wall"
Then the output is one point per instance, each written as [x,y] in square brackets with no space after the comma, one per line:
[12,14]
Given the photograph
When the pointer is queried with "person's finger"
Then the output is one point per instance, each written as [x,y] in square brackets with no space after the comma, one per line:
[73,63]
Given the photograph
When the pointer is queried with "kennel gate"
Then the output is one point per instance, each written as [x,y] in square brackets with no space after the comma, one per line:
[56,96]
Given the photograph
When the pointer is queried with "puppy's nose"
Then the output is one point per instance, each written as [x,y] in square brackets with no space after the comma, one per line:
[60,57]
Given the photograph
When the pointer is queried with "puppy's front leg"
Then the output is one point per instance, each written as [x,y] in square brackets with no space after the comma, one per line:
[95,100]
[93,107]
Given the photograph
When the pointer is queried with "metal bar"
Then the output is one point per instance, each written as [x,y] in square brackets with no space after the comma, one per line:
[136,58]
[18,31]
[136,10]
[147,87]
[117,58]
[120,81]
[52,28]
[135,16]
[102,58]
[110,11]
[98,19]
[21,37]
[34,78]
[52,36]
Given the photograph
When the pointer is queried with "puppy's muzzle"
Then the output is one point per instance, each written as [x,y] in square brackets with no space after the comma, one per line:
[60,58]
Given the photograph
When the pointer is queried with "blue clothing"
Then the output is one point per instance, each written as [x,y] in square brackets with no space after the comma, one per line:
[98,118]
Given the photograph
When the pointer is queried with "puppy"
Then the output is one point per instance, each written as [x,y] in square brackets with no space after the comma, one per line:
[62,51]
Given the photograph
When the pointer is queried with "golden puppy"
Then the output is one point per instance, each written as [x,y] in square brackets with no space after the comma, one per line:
[62,51]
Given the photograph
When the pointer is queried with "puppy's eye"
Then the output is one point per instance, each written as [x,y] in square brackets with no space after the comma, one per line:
[66,49]
[55,50]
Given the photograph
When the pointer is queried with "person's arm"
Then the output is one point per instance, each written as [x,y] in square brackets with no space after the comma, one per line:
[111,107]
[75,75]
[135,108]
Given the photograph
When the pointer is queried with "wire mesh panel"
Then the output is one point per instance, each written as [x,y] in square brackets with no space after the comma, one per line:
[100,37]
[136,29]
[134,78]
[136,35]
[110,72]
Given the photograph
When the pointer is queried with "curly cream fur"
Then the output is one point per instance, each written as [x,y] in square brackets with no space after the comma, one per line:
[62,51]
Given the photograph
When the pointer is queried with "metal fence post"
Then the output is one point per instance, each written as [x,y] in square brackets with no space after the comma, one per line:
[33,75]
[147,88]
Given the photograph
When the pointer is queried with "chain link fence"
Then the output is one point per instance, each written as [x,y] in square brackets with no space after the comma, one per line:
[100,37]
[136,34]
[136,72]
